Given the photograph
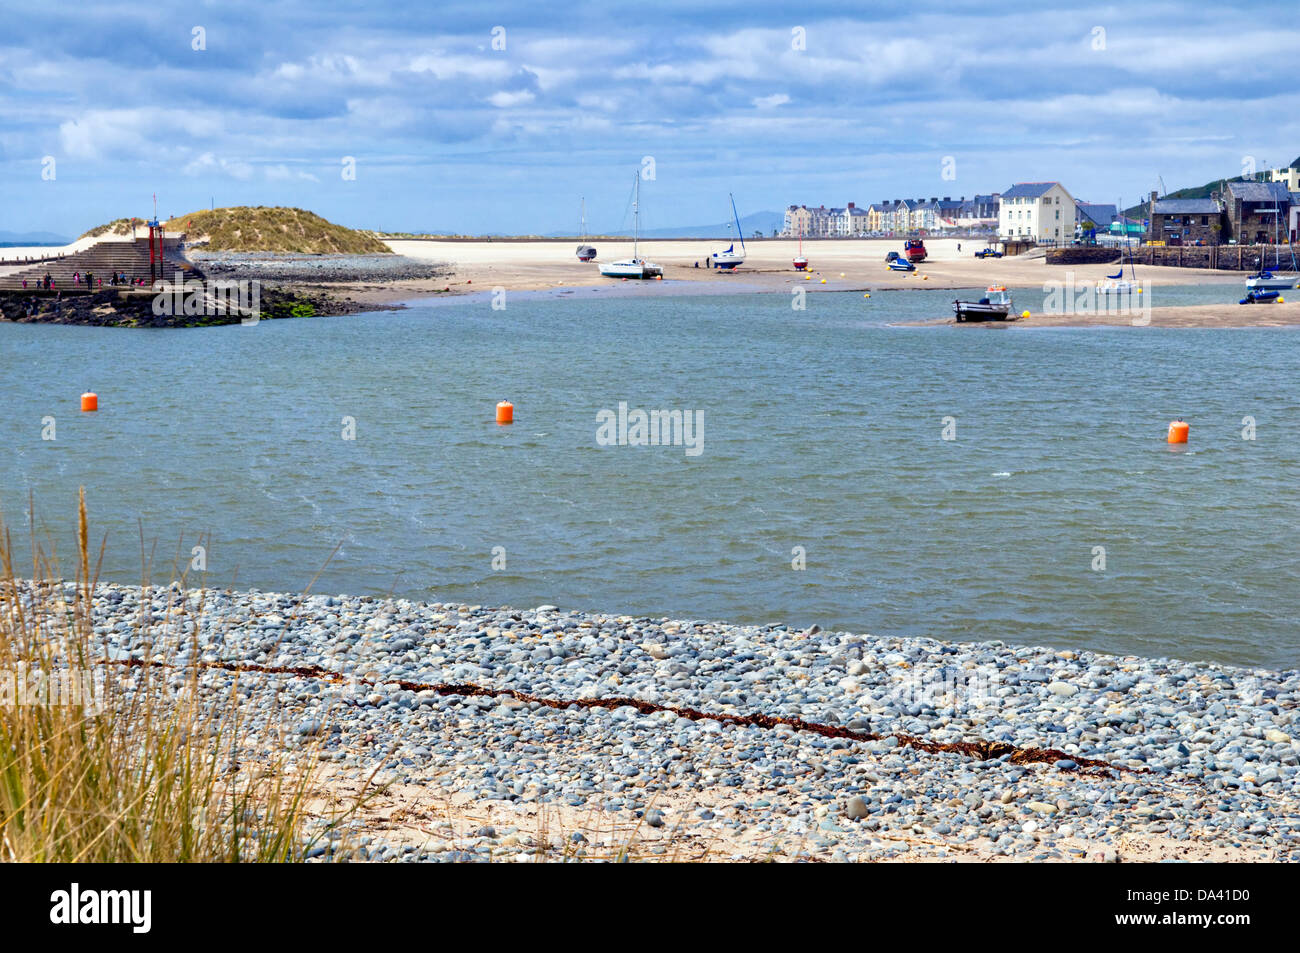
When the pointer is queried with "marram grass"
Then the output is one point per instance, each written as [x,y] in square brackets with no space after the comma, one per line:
[152,764]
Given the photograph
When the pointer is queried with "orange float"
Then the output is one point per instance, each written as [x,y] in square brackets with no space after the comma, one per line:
[505,412]
[89,401]
[1178,431]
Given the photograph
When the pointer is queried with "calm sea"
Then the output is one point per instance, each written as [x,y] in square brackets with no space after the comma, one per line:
[823,445]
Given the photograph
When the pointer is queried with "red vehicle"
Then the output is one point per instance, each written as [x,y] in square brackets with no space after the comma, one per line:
[914,248]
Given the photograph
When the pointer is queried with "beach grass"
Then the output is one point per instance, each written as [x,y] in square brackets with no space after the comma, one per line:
[122,762]
[274,229]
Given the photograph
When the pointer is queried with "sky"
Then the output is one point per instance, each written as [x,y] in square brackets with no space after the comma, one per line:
[493,117]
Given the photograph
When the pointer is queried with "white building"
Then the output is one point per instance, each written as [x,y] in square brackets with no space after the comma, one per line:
[1040,211]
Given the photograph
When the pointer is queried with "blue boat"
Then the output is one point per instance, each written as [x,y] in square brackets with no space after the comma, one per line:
[902,264]
[1260,296]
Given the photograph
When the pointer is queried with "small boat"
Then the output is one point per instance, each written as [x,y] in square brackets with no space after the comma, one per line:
[1261,296]
[728,260]
[585,252]
[1266,280]
[636,266]
[901,264]
[994,306]
[800,262]
[1118,284]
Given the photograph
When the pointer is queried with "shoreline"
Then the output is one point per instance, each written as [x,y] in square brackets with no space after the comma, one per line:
[1206,752]
[421,272]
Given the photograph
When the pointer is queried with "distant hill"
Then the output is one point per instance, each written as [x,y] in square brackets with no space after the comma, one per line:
[32,238]
[274,229]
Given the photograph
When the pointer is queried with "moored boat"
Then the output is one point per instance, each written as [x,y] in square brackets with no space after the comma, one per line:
[585,252]
[1266,280]
[800,262]
[728,259]
[994,306]
[636,266]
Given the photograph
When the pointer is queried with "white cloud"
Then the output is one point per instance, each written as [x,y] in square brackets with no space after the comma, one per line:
[771,102]
[505,100]
[208,163]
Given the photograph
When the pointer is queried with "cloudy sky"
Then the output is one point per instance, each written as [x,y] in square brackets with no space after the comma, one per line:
[104,104]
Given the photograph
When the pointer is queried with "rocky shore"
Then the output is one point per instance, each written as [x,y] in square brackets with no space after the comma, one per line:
[480,724]
[316,269]
[291,286]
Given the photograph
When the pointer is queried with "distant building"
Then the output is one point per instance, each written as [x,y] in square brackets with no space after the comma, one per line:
[856,221]
[986,206]
[1040,211]
[847,222]
[1290,177]
[896,216]
[798,221]
[875,215]
[1185,221]
[947,212]
[1255,212]
[1096,217]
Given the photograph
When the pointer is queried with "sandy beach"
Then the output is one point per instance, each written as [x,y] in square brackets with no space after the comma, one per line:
[835,266]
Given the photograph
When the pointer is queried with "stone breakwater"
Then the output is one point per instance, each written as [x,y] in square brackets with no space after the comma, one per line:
[290,268]
[1205,755]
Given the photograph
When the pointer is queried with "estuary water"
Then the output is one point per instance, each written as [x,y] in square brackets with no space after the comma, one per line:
[824,490]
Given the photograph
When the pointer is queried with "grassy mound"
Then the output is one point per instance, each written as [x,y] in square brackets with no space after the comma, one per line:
[277,229]
[119,226]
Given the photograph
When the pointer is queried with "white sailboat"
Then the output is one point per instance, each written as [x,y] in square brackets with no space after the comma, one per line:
[1273,279]
[1118,284]
[636,266]
[729,258]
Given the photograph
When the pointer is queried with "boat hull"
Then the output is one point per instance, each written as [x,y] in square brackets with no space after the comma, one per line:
[974,311]
[632,269]
[727,262]
[1271,283]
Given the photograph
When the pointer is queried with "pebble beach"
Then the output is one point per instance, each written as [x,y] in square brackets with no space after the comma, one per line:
[1201,760]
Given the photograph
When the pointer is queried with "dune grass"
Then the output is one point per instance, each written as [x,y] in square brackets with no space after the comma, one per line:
[149,763]
[119,226]
[273,229]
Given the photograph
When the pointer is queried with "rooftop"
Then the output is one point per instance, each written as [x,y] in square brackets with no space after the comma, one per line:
[1185,207]
[1028,190]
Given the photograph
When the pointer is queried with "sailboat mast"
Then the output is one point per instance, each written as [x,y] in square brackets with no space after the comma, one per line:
[736,216]
[636,212]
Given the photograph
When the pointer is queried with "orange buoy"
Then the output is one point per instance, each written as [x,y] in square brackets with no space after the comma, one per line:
[505,412]
[1178,431]
[89,401]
